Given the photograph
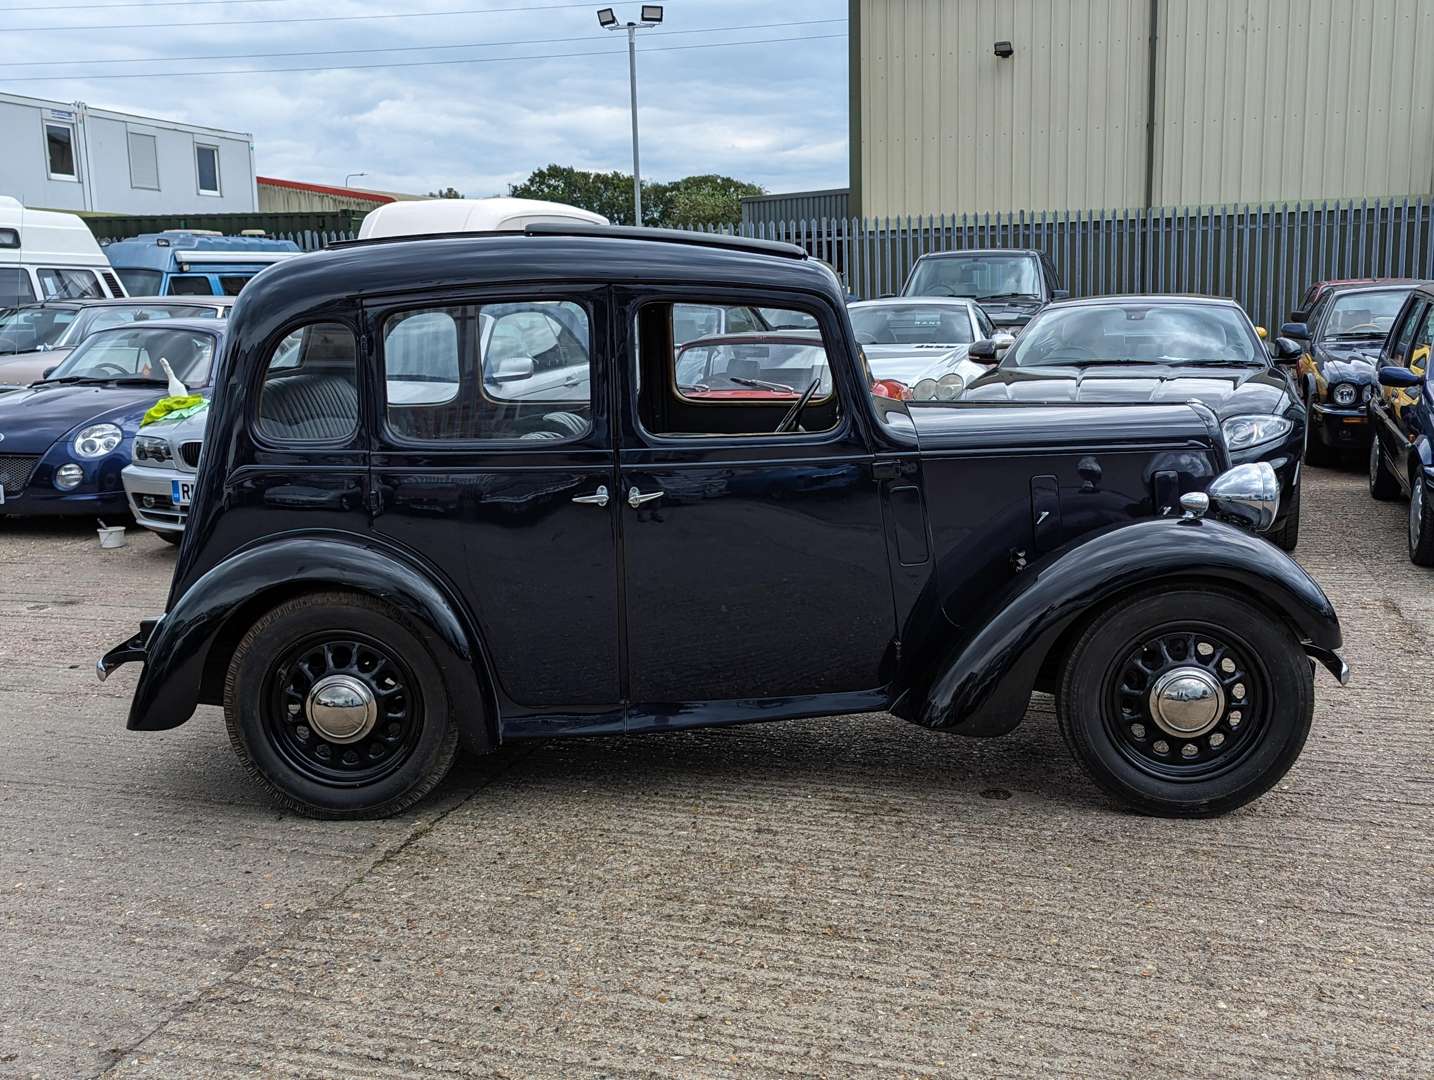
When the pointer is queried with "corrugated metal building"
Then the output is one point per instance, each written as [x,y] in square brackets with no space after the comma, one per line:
[1109,104]
[299,196]
[795,206]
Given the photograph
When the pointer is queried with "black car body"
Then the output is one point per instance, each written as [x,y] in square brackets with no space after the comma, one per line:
[1341,333]
[1401,454]
[1129,372]
[363,577]
[1010,284]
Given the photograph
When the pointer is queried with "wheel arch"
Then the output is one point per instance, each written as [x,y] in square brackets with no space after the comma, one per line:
[188,653]
[984,682]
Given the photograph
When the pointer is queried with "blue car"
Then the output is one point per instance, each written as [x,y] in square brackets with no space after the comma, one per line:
[1401,455]
[65,439]
[183,262]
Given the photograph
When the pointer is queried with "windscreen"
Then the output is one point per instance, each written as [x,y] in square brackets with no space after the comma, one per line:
[31,329]
[912,324]
[1137,334]
[978,277]
[135,353]
[1363,314]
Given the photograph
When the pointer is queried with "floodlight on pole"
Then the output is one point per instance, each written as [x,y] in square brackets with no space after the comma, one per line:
[351,175]
[651,16]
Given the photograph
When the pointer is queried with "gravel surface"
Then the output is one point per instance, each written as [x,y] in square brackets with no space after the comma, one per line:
[835,898]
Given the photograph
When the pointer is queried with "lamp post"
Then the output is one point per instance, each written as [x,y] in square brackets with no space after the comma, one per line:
[351,175]
[607,19]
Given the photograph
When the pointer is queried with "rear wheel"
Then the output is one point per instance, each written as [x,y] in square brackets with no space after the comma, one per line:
[1317,453]
[1187,703]
[1383,484]
[1421,525]
[338,709]
[168,536]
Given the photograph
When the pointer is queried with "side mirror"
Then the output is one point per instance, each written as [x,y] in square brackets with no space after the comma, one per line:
[1400,377]
[1300,330]
[48,371]
[1300,315]
[1288,349]
[1060,294]
[512,369]
[983,351]
[1003,340]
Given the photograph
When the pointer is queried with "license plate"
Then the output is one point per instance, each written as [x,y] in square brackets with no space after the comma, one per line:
[181,492]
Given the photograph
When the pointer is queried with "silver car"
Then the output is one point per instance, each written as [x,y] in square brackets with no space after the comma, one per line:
[159,481]
[923,342]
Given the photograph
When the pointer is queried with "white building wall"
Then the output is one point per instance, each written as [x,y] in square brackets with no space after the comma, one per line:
[102,149]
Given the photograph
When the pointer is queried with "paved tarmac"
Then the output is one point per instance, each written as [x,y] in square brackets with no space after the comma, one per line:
[846,897]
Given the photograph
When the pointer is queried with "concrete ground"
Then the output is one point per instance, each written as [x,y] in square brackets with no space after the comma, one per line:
[835,898]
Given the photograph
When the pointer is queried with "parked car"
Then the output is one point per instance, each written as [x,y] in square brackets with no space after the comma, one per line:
[194,262]
[1341,335]
[762,366]
[1164,348]
[159,480]
[1401,453]
[47,255]
[1317,291]
[921,343]
[57,326]
[365,580]
[65,439]
[1011,284]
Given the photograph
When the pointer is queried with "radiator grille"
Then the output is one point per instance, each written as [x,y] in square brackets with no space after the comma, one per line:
[189,453]
[15,470]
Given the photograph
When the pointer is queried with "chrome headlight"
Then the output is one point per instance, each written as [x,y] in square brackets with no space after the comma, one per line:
[949,387]
[925,390]
[1343,394]
[1242,432]
[1248,494]
[97,440]
[148,448]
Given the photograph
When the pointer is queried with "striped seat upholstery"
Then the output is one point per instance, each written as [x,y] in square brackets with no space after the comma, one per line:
[309,407]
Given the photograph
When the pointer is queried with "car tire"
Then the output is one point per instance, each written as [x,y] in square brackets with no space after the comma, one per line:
[381,738]
[1259,719]
[1383,484]
[1286,535]
[1421,524]
[1316,452]
[168,536]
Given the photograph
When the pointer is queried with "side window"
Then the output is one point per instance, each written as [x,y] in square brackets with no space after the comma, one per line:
[15,287]
[984,323]
[1420,347]
[735,382]
[510,370]
[190,285]
[58,284]
[1403,338]
[310,390]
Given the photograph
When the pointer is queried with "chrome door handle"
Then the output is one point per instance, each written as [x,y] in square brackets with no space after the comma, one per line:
[636,498]
[597,498]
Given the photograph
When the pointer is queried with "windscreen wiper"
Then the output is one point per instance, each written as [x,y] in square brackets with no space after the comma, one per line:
[1008,296]
[761,384]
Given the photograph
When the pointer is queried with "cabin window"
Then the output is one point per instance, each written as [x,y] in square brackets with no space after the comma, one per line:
[232,284]
[141,282]
[310,390]
[190,285]
[58,284]
[206,164]
[60,150]
[143,161]
[512,370]
[731,369]
[15,287]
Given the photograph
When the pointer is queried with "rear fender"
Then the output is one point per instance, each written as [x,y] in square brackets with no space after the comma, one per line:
[983,685]
[177,651]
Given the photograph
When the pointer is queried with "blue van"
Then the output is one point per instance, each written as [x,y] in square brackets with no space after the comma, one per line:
[193,262]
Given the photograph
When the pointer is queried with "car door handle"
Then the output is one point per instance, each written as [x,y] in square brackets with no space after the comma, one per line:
[636,498]
[597,498]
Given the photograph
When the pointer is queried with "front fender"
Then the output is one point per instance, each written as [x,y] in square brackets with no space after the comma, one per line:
[985,682]
[177,650]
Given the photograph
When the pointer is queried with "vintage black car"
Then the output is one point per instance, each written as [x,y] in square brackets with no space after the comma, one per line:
[1341,334]
[1401,454]
[1163,348]
[386,550]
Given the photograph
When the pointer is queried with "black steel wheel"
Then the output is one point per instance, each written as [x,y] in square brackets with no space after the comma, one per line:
[1186,703]
[338,708]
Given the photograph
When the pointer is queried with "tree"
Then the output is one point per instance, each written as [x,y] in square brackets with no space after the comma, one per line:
[446,193]
[694,200]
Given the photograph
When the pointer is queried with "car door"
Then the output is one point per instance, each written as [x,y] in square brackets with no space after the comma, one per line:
[1391,407]
[508,495]
[755,563]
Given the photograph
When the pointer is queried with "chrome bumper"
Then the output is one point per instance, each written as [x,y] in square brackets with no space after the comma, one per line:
[131,650]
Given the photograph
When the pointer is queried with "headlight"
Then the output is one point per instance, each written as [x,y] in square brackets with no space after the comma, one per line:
[1242,432]
[148,448]
[925,390]
[68,477]
[1343,394]
[949,387]
[96,440]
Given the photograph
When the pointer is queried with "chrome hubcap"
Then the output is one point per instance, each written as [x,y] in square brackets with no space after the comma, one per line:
[1186,702]
[1416,513]
[341,708]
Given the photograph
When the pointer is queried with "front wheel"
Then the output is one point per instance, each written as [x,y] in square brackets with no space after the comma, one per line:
[1286,535]
[1421,525]
[1187,703]
[338,709]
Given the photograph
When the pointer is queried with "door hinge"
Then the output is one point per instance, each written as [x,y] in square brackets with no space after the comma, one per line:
[892,469]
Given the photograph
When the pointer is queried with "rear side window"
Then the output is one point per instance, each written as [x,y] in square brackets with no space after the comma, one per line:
[15,287]
[511,370]
[190,285]
[231,284]
[57,284]
[310,390]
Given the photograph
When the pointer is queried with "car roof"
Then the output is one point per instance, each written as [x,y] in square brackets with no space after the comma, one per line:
[980,251]
[1385,285]
[217,327]
[914,301]
[1145,300]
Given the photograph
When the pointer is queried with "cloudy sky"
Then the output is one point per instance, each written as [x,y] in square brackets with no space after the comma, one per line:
[768,104]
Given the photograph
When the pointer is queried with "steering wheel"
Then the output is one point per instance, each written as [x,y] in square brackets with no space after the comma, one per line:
[940,290]
[790,420]
[106,369]
[1369,327]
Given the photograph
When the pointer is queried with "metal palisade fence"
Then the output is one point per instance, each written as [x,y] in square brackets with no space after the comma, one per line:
[1262,256]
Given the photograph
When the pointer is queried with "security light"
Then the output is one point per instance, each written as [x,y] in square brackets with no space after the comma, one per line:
[1005,50]
[652,13]
[607,17]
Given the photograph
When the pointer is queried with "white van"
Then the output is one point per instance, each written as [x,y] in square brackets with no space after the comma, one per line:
[424,217]
[46,255]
